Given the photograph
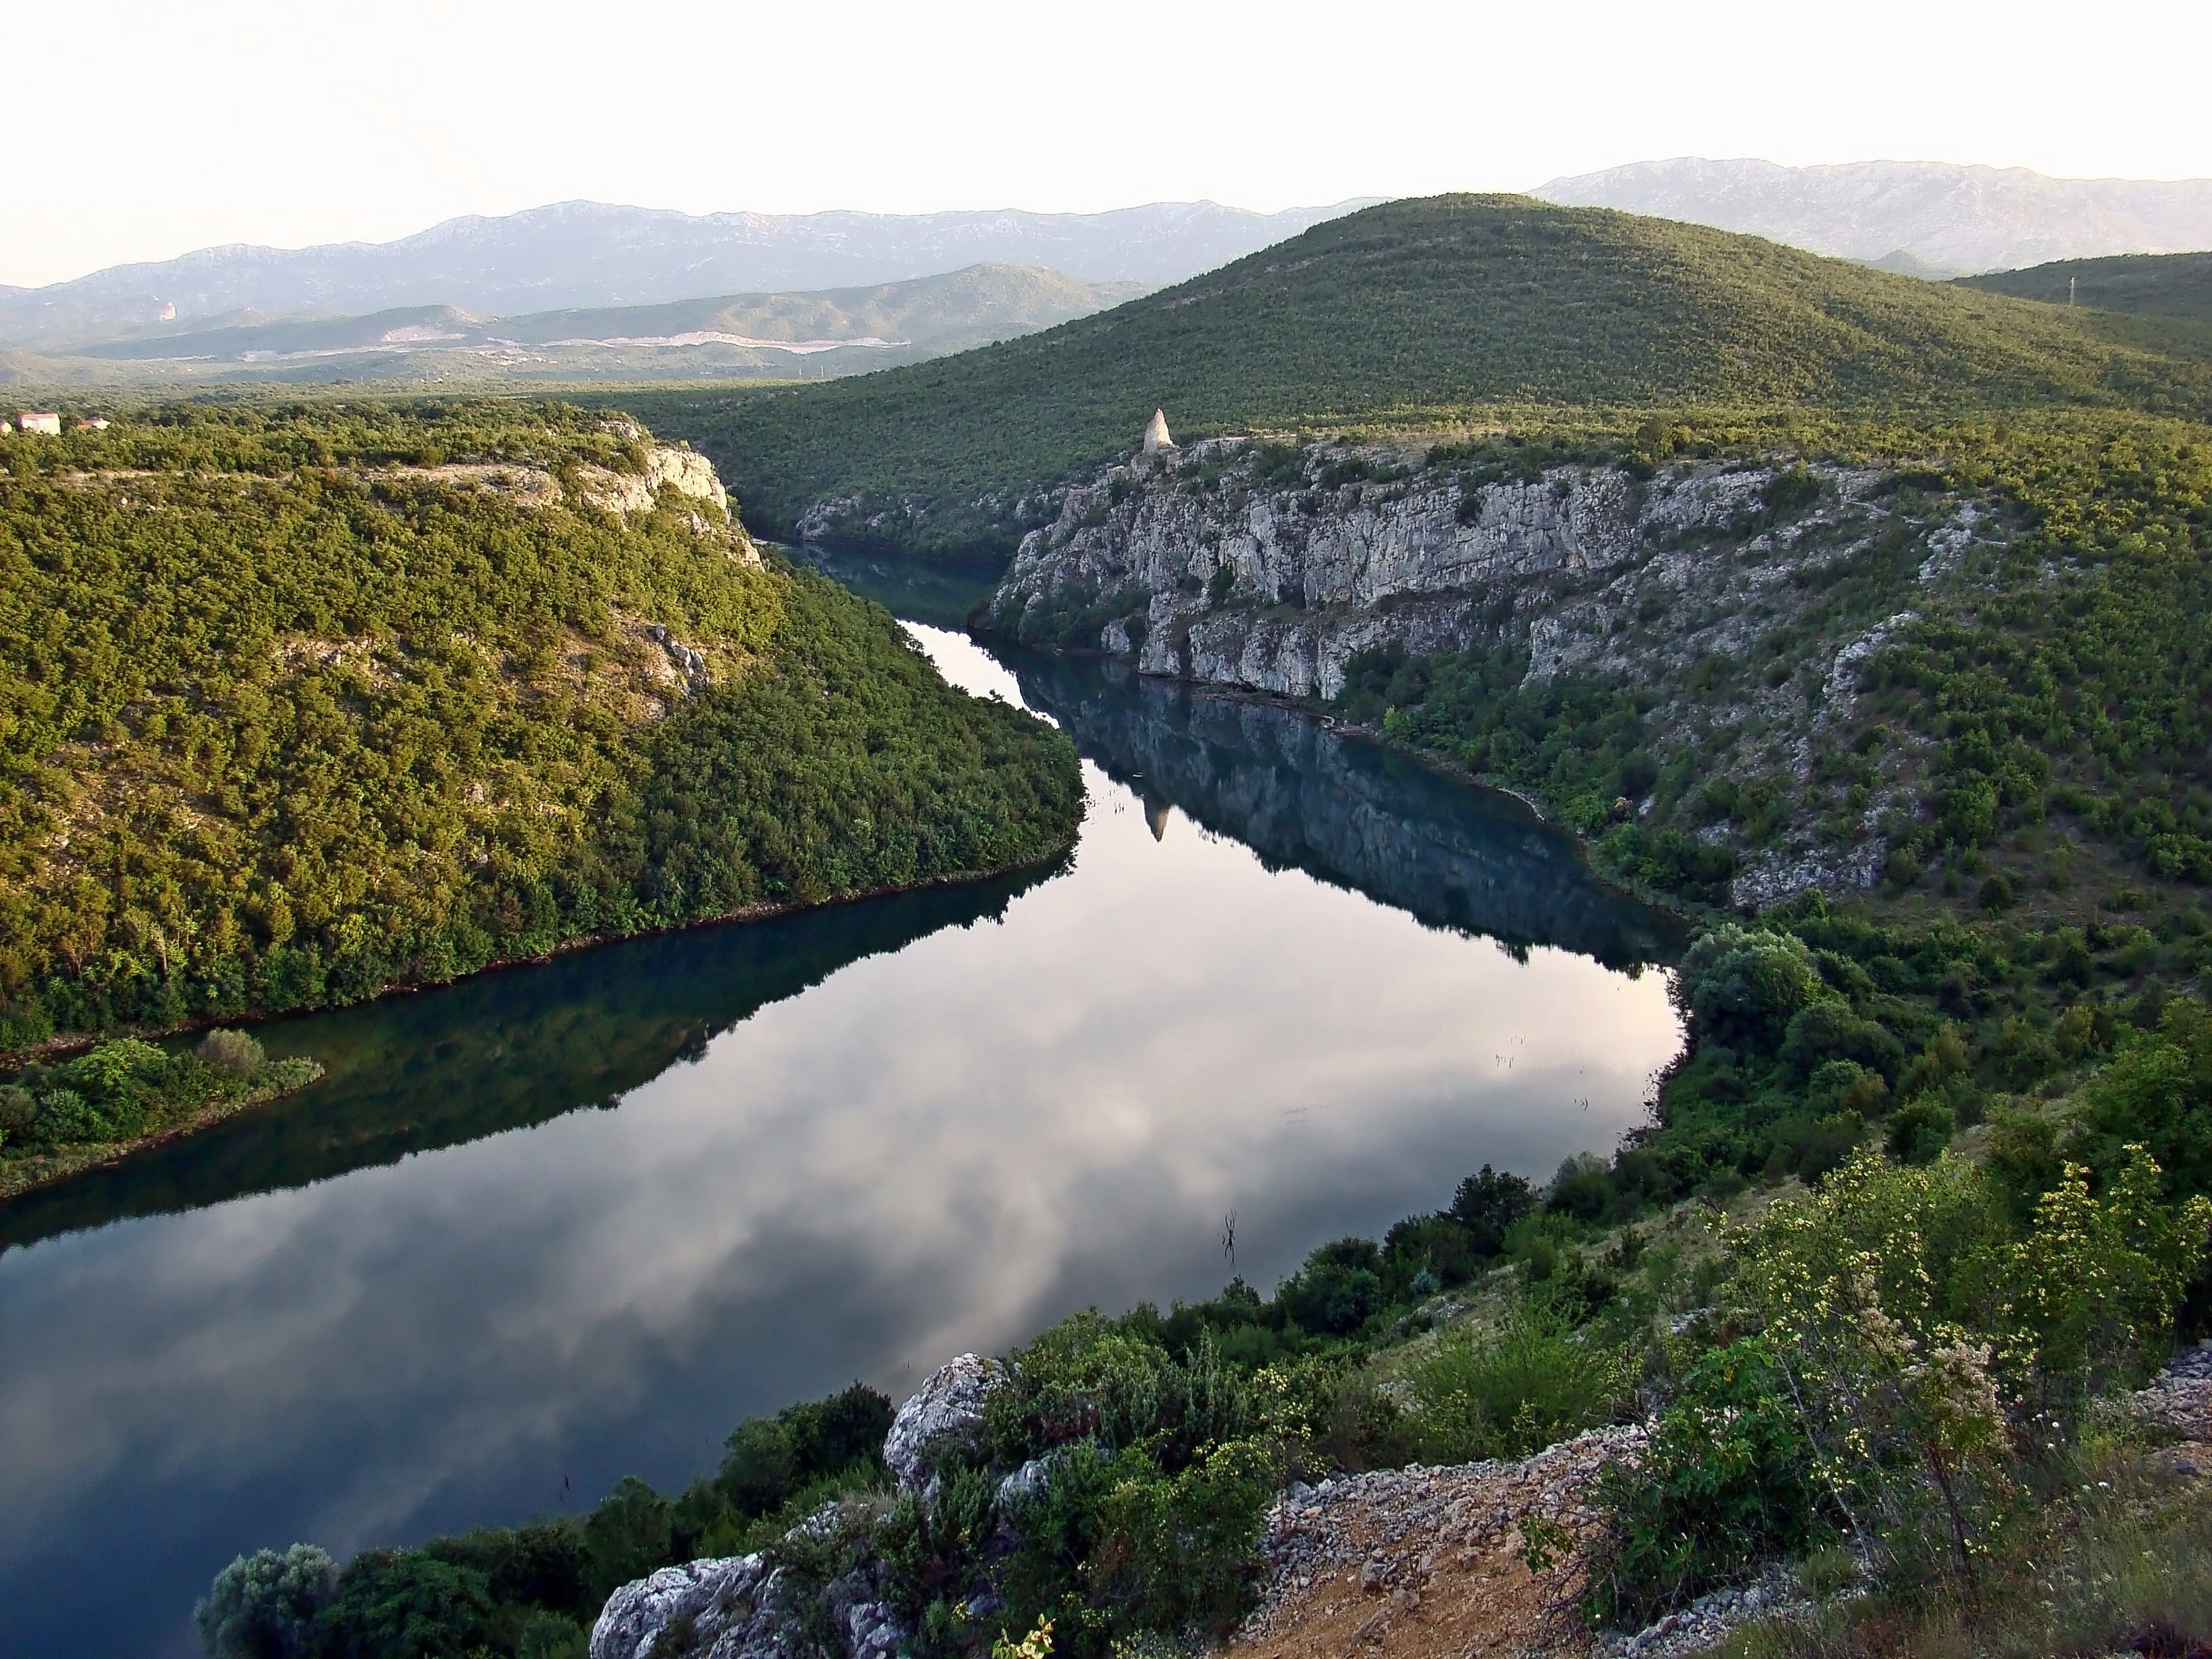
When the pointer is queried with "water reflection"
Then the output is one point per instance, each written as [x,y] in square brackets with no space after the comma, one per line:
[503,1051]
[1348,811]
[940,1139]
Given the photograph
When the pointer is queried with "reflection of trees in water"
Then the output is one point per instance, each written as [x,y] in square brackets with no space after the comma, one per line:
[516,1047]
[1349,812]
[501,1051]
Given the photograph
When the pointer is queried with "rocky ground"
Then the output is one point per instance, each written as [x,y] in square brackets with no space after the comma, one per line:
[1416,1563]
[1429,1561]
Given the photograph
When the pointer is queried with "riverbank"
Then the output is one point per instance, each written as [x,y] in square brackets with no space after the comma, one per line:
[76,1042]
[34,1170]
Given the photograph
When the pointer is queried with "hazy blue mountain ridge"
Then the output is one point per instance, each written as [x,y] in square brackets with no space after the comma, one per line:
[823,332]
[573,254]
[1952,219]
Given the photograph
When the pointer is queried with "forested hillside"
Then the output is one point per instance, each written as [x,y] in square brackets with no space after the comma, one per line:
[2152,284]
[298,704]
[1434,312]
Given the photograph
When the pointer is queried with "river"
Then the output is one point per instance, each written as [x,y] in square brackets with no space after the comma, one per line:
[561,1224]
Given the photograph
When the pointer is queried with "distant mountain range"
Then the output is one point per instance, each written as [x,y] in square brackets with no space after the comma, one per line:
[576,254]
[822,332]
[1923,218]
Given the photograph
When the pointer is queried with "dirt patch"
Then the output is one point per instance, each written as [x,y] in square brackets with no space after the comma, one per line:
[1421,1563]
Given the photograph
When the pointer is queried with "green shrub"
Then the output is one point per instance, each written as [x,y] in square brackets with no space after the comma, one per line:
[1488,1203]
[66,1117]
[628,1534]
[393,1604]
[1180,1553]
[1745,985]
[19,1109]
[1724,1483]
[1827,1030]
[1338,1289]
[1506,1392]
[234,1051]
[1919,1131]
[548,1636]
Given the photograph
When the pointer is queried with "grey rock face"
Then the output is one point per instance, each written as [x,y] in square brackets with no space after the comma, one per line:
[720,1608]
[742,1608]
[1274,589]
[945,1415]
[682,657]
[1027,1481]
[1249,568]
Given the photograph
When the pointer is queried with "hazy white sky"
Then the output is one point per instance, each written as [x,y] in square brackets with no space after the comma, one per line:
[162,124]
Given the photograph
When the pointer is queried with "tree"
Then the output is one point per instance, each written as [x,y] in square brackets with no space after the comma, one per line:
[265,1606]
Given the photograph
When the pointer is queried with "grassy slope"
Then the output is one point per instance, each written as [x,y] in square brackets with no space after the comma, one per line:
[282,723]
[1405,313]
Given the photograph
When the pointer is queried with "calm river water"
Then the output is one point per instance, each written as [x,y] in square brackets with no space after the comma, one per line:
[563,1224]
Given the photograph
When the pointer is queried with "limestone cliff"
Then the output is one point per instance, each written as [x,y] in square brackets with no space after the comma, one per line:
[1711,588]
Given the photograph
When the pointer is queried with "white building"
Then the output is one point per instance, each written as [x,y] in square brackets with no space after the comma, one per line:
[31,422]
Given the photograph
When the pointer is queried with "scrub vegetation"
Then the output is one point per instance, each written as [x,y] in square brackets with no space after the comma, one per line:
[58,1119]
[298,704]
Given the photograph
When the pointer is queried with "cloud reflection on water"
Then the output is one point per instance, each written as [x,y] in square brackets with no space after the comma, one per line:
[940,1148]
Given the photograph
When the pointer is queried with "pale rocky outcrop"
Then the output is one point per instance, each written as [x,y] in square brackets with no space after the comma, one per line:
[1215,567]
[683,659]
[1315,577]
[944,1417]
[692,475]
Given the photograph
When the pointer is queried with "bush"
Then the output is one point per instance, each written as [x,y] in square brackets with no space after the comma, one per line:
[266,1605]
[234,1051]
[1828,1029]
[1513,1391]
[1845,1085]
[396,1605]
[1180,1554]
[1920,1130]
[1582,1189]
[1724,1484]
[66,1117]
[548,1636]
[2156,1092]
[1488,1203]
[628,1536]
[1810,1147]
[1744,985]
[19,1107]
[1338,1289]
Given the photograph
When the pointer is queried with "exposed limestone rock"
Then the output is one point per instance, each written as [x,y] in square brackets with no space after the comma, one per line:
[682,657]
[1156,434]
[723,1608]
[944,1417]
[691,474]
[1215,566]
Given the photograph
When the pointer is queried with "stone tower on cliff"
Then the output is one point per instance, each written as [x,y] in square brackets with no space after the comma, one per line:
[1156,434]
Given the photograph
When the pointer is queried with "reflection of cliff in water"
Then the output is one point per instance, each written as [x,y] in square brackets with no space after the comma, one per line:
[1346,810]
[501,1051]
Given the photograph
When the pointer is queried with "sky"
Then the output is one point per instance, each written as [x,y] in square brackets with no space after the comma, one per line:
[141,128]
